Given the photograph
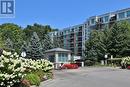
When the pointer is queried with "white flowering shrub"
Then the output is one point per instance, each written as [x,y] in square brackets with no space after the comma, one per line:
[40,64]
[13,68]
[125,60]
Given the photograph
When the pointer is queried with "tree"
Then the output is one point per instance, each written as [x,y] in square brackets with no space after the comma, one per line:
[14,32]
[91,45]
[1,42]
[119,39]
[57,42]
[39,29]
[47,43]
[34,50]
[24,47]
[9,45]
[114,41]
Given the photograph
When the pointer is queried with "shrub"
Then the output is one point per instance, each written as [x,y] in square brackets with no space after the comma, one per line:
[33,79]
[115,61]
[89,63]
[125,62]
[13,68]
[49,75]
[40,73]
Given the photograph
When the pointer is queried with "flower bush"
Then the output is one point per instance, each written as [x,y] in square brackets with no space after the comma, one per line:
[14,68]
[125,62]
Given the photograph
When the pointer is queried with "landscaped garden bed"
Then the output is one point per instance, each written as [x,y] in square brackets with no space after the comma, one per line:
[16,71]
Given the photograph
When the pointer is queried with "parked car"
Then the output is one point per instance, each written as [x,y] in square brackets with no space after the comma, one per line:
[69,66]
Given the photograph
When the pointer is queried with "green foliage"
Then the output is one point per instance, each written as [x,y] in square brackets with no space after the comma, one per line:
[114,41]
[9,45]
[1,41]
[47,43]
[34,50]
[40,73]
[33,79]
[57,42]
[14,32]
[89,62]
[115,61]
[119,39]
[49,74]
[39,29]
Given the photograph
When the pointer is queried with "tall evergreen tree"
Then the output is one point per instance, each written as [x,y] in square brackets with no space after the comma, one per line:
[57,42]
[119,38]
[35,47]
[47,43]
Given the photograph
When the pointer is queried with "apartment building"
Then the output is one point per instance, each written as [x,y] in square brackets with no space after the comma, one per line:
[71,38]
[74,37]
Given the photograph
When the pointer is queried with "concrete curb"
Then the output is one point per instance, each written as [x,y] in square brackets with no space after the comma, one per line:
[45,82]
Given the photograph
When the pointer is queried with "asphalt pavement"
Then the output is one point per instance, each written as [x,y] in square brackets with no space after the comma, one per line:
[90,77]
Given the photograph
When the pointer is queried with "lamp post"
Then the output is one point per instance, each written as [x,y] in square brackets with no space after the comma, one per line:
[106,56]
[23,54]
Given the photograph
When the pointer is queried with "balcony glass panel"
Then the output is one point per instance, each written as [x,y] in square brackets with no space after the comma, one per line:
[106,18]
[121,15]
[128,13]
[92,21]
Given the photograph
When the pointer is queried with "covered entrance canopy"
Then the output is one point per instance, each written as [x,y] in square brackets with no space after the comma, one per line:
[58,55]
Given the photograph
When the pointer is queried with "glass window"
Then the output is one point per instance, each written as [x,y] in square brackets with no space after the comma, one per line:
[121,15]
[59,57]
[106,18]
[128,13]
[92,21]
[101,20]
[63,57]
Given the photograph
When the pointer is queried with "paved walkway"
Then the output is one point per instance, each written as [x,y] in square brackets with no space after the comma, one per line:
[90,77]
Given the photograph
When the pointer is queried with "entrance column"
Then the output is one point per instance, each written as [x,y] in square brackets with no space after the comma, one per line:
[69,56]
[56,60]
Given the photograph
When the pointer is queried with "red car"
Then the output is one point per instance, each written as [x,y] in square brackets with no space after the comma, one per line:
[69,66]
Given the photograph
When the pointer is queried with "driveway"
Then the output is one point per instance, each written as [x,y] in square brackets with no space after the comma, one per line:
[90,77]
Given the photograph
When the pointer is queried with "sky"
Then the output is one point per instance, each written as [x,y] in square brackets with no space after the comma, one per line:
[61,13]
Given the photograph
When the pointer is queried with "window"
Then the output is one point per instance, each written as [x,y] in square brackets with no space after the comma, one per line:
[121,15]
[128,13]
[88,23]
[51,58]
[62,57]
[92,21]
[106,18]
[100,20]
